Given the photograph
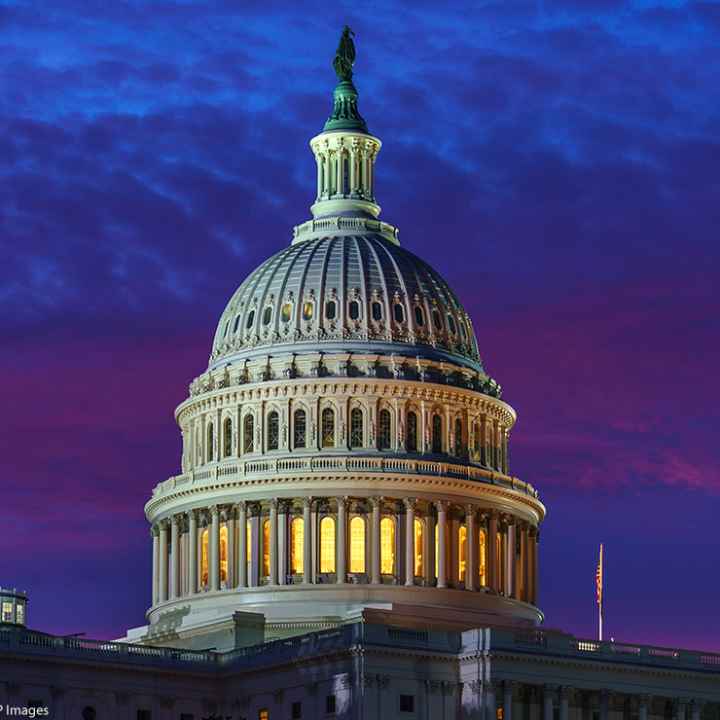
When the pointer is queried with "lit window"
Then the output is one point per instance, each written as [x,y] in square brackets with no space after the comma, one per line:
[297,542]
[412,428]
[327,545]
[250,318]
[419,532]
[273,431]
[354,310]
[227,437]
[7,612]
[356,428]
[328,428]
[248,433]
[451,323]
[387,546]
[263,714]
[419,316]
[437,320]
[462,551]
[204,557]
[223,553]
[307,311]
[20,613]
[436,434]
[248,544]
[483,557]
[266,548]
[299,429]
[384,430]
[286,312]
[399,313]
[357,545]
[267,315]
[377,311]
[330,309]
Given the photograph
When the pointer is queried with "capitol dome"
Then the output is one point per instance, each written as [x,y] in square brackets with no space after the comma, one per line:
[345,451]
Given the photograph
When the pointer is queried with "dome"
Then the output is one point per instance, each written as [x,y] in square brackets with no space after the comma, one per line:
[346,292]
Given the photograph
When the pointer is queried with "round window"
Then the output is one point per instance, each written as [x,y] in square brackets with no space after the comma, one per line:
[286,312]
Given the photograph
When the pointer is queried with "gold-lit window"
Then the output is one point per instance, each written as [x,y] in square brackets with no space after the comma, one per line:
[419,550]
[356,428]
[263,714]
[327,545]
[387,546]
[286,312]
[248,542]
[307,311]
[266,548]
[297,541]
[7,612]
[204,557]
[357,545]
[20,614]
[437,557]
[462,551]
[223,553]
[483,557]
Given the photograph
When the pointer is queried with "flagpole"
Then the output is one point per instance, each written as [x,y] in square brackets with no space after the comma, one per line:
[600,594]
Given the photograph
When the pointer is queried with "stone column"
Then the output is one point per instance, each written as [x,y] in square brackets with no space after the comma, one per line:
[680,705]
[307,541]
[192,555]
[507,700]
[215,549]
[242,545]
[283,542]
[548,693]
[154,532]
[430,523]
[490,702]
[644,701]
[273,579]
[512,560]
[442,539]
[490,550]
[163,588]
[564,701]
[375,541]
[341,541]
[470,549]
[175,550]
[231,578]
[409,541]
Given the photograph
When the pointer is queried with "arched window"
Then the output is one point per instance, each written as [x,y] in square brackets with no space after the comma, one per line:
[286,312]
[437,434]
[356,428]
[267,315]
[236,324]
[273,431]
[204,557]
[437,320]
[384,429]
[357,545]
[266,548]
[223,553]
[477,438]
[210,447]
[412,430]
[482,555]
[354,310]
[377,311]
[458,437]
[248,434]
[250,319]
[399,313]
[299,429]
[451,323]
[330,309]
[328,427]
[297,543]
[387,546]
[419,316]
[227,437]
[462,552]
[419,539]
[327,545]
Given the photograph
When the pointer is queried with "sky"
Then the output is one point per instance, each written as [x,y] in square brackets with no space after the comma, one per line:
[556,161]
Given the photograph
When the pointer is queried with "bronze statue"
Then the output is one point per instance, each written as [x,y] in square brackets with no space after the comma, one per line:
[345,55]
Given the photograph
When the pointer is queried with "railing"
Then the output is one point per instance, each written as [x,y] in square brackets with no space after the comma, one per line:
[343,463]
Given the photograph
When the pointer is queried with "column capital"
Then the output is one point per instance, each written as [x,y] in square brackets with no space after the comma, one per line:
[214,511]
[308,501]
[191,515]
[409,503]
[154,530]
[242,505]
[163,524]
[273,503]
[442,505]
[470,510]
[377,501]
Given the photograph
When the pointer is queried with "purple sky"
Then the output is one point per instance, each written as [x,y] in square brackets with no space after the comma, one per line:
[557,162]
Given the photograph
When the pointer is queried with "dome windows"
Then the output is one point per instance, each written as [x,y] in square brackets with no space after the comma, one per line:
[236,324]
[419,316]
[328,428]
[273,431]
[437,320]
[451,323]
[377,313]
[299,429]
[356,428]
[399,313]
[267,315]
[463,332]
[308,310]
[354,310]
[384,430]
[330,310]
[225,331]
[250,320]
[412,429]
[248,434]
[286,312]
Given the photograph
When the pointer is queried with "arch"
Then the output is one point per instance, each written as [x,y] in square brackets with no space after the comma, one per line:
[384,429]
[248,433]
[437,433]
[419,547]
[482,556]
[462,552]
[357,428]
[204,557]
[387,545]
[227,437]
[297,543]
[273,430]
[327,545]
[299,429]
[266,548]
[412,432]
[223,553]
[357,545]
[328,427]
[210,446]
[458,437]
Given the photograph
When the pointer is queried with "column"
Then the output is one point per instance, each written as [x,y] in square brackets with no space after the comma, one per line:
[430,523]
[442,540]
[231,576]
[490,702]
[214,549]
[507,700]
[175,550]
[524,564]
[490,550]
[341,541]
[565,701]
[242,545]
[283,542]
[548,692]
[534,540]
[154,532]
[680,704]
[511,558]
[318,159]
[307,540]
[163,589]
[273,579]
[353,168]
[409,541]
[192,552]
[375,541]
[604,702]
[470,549]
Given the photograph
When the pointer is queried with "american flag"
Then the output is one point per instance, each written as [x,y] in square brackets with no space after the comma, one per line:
[599,578]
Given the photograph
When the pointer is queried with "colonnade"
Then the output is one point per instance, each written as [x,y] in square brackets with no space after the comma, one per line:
[378,541]
[345,167]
